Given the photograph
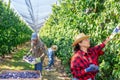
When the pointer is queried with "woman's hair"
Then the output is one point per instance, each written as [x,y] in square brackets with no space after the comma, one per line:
[77,47]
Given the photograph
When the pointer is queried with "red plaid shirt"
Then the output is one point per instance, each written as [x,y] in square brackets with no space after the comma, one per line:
[81,60]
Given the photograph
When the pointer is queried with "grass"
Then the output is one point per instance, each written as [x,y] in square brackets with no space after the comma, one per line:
[16,62]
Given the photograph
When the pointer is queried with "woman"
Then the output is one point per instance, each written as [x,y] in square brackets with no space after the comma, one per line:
[38,50]
[84,63]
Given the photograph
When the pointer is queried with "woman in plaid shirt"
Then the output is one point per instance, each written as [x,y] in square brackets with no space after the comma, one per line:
[84,63]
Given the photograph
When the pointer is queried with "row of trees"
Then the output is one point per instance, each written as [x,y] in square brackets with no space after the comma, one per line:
[13,31]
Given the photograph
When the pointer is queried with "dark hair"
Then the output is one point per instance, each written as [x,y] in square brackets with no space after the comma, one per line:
[77,47]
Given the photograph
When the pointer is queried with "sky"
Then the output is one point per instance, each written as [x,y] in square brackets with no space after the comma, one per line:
[41,10]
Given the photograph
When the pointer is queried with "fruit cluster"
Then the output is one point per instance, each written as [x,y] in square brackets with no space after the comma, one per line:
[17,75]
[29,59]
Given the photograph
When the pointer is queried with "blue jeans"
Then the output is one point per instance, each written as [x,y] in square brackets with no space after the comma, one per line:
[38,66]
[51,59]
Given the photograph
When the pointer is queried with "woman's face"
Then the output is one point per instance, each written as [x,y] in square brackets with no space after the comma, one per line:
[85,43]
[34,41]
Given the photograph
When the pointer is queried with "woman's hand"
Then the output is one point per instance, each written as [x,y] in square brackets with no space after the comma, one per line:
[107,40]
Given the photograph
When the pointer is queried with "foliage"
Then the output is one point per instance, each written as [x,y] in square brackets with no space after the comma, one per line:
[13,31]
[96,18]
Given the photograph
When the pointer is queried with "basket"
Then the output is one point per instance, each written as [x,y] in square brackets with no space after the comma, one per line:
[20,71]
[31,60]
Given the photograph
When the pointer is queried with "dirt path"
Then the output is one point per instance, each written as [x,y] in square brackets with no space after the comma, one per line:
[13,62]
[58,74]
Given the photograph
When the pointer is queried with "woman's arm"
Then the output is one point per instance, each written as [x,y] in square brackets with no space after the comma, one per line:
[29,51]
[107,40]
[98,48]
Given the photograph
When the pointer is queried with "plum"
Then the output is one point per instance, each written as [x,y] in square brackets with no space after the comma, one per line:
[16,75]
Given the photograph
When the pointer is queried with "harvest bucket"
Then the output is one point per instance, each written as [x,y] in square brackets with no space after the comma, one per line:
[20,75]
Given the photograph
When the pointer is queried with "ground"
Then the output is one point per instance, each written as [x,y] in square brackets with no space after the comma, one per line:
[15,62]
